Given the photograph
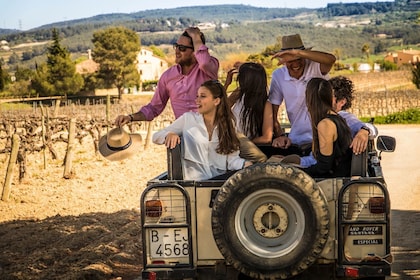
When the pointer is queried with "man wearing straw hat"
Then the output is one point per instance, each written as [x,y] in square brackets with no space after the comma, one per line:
[194,66]
[288,84]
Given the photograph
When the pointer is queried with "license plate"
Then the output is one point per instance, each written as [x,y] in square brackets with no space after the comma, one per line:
[168,242]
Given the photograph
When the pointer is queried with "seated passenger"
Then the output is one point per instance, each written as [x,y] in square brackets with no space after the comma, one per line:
[331,135]
[253,113]
[343,89]
[210,146]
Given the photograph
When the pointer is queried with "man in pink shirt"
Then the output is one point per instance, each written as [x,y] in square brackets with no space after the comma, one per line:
[194,65]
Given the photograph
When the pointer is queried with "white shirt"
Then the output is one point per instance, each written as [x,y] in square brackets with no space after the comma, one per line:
[200,159]
[292,91]
[236,110]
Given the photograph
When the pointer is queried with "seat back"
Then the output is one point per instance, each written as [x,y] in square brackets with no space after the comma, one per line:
[174,158]
[359,164]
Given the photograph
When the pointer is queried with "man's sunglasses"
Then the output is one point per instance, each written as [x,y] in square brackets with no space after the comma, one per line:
[182,48]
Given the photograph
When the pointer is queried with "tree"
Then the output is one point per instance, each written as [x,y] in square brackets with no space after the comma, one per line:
[116,49]
[58,76]
[366,51]
[14,58]
[22,84]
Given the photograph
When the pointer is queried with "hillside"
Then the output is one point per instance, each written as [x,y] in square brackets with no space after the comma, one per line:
[343,28]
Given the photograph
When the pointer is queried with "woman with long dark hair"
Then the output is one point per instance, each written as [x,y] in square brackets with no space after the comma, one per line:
[209,142]
[253,113]
[331,134]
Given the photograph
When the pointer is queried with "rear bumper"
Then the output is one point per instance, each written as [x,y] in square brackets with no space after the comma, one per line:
[167,273]
[364,270]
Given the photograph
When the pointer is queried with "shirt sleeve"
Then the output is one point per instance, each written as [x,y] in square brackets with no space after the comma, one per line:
[207,63]
[355,124]
[352,121]
[307,161]
[234,161]
[275,95]
[159,100]
[176,127]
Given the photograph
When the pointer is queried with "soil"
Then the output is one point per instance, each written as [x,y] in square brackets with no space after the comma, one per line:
[85,227]
[88,226]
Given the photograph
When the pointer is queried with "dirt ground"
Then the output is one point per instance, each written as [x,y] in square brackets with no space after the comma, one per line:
[87,227]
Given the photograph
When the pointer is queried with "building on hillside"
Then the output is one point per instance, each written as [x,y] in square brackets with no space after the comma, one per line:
[4,45]
[403,57]
[367,68]
[364,68]
[87,66]
[150,67]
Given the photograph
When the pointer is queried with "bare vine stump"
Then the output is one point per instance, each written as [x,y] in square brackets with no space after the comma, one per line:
[70,150]
[10,167]
[108,108]
[56,107]
[149,134]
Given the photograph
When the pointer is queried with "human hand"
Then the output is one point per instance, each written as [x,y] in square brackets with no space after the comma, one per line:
[360,141]
[247,163]
[286,56]
[122,120]
[282,142]
[229,77]
[171,140]
[194,32]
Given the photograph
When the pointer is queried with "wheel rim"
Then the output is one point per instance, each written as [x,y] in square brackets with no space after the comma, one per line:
[269,223]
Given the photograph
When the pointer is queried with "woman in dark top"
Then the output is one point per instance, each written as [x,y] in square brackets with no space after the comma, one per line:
[331,135]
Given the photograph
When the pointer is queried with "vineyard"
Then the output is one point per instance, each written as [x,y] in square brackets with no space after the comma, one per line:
[84,223]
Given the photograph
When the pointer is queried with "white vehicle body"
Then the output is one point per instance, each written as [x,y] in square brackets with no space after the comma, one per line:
[269,221]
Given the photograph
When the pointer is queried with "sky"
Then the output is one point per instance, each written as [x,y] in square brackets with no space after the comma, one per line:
[28,14]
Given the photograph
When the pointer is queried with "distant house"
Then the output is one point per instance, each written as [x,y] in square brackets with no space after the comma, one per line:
[87,66]
[4,45]
[364,68]
[150,66]
[403,57]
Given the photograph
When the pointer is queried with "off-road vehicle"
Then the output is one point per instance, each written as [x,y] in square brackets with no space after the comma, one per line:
[269,221]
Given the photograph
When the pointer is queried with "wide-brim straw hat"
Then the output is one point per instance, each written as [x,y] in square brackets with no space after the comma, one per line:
[119,145]
[292,42]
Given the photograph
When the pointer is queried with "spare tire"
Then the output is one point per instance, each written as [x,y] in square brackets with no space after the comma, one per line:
[270,221]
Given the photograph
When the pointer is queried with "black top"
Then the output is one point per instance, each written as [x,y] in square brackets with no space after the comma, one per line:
[338,164]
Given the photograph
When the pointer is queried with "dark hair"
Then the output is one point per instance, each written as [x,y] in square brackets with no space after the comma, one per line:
[252,80]
[343,89]
[228,141]
[318,97]
[203,39]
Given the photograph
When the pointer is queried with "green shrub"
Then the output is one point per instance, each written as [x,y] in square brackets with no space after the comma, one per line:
[410,116]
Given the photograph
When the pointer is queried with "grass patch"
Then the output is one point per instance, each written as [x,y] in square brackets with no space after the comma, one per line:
[14,106]
[410,116]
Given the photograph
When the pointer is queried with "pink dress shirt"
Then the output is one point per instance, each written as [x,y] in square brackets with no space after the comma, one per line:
[182,89]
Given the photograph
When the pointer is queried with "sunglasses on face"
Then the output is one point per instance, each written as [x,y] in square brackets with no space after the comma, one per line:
[182,48]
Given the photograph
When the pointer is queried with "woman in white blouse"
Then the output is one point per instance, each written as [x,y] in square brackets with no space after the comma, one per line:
[209,142]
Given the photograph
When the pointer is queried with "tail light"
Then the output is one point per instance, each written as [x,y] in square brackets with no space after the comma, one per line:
[377,205]
[153,208]
[150,275]
[352,272]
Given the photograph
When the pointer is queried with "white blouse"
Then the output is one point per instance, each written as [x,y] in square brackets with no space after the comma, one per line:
[236,110]
[200,159]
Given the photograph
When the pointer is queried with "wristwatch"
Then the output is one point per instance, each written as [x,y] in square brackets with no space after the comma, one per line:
[366,128]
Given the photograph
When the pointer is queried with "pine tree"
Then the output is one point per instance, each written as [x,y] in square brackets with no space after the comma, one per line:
[58,76]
